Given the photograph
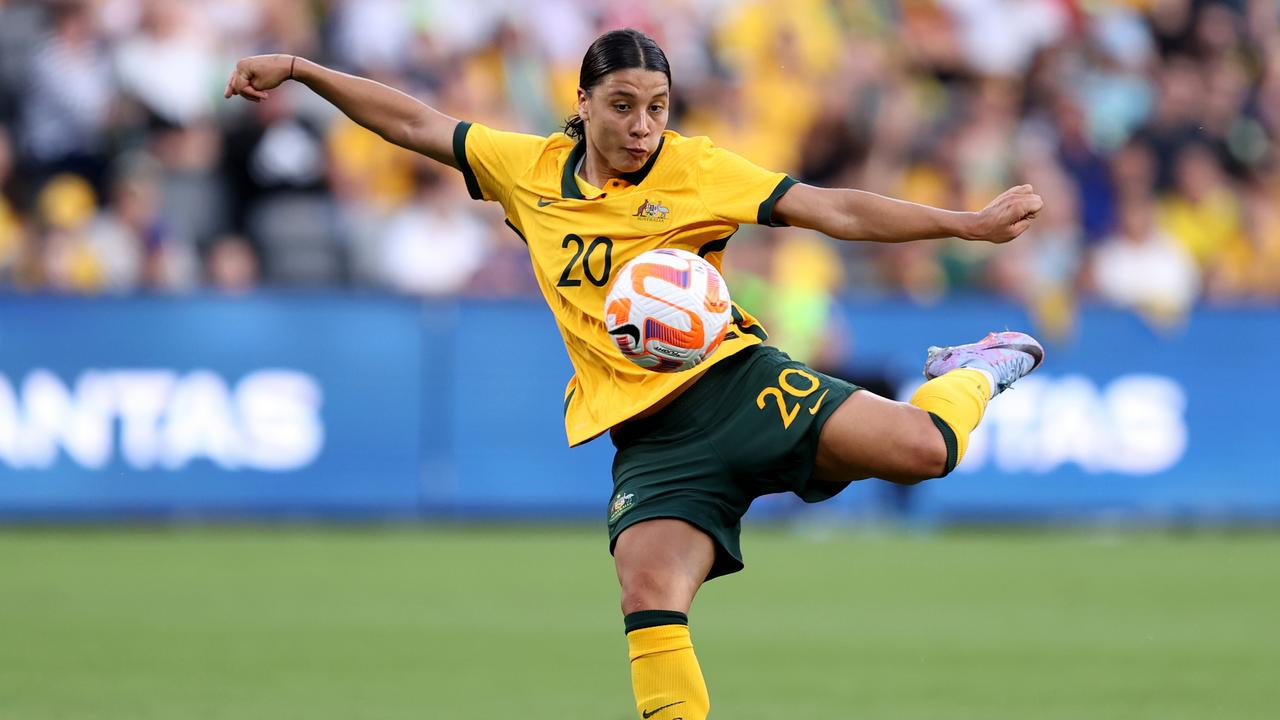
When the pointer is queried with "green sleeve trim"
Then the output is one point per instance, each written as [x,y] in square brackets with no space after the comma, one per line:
[739,319]
[715,245]
[516,230]
[948,437]
[460,155]
[764,216]
[642,619]
[567,398]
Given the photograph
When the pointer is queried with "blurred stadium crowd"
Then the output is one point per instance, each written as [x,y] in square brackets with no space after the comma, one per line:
[1151,127]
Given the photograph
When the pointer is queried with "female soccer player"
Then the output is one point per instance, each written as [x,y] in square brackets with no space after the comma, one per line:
[693,449]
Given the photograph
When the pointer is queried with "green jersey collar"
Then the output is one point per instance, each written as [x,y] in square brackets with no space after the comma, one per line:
[569,188]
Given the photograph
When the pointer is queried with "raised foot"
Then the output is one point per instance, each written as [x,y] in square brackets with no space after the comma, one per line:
[1006,356]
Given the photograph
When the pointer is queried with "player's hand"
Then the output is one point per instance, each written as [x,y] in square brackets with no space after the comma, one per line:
[1006,217]
[254,76]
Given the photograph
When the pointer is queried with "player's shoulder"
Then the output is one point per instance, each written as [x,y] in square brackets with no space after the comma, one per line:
[552,155]
[682,145]
[530,141]
[697,153]
[680,158]
[556,144]
[525,155]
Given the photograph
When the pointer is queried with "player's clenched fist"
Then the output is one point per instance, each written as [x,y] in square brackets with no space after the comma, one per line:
[254,76]
[1006,217]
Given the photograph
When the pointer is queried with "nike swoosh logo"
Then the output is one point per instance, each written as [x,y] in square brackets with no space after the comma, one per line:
[814,410]
[544,203]
[650,713]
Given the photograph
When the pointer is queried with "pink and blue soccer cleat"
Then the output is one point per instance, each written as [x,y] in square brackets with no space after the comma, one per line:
[1005,356]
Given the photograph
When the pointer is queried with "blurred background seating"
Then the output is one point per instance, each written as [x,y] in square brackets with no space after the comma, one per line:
[1150,127]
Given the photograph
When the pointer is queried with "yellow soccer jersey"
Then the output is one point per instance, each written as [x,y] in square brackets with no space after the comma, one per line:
[691,195]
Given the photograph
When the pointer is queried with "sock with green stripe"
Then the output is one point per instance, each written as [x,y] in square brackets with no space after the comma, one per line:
[955,402]
[665,675]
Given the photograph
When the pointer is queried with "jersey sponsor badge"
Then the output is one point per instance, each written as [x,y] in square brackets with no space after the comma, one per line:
[622,502]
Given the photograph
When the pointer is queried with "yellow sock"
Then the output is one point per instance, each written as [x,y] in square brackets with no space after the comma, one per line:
[665,676]
[956,402]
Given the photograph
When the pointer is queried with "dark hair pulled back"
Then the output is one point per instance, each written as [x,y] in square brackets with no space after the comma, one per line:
[616,50]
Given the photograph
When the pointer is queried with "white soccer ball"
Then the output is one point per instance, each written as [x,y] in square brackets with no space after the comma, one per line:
[667,310]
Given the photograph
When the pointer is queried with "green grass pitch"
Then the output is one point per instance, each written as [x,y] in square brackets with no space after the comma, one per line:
[522,623]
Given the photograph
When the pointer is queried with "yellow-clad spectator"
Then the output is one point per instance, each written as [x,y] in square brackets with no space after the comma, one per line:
[748,38]
[67,205]
[722,113]
[807,270]
[367,169]
[1252,269]
[1203,214]
[11,236]
[785,56]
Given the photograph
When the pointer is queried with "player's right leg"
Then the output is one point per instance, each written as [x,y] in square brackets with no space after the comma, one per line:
[674,522]
[869,436]
[661,564]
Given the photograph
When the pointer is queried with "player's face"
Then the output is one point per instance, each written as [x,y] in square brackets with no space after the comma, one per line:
[625,114]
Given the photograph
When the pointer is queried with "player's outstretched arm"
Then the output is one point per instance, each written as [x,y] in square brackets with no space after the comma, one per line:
[393,115]
[857,215]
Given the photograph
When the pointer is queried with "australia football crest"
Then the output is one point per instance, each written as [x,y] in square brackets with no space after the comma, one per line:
[622,502]
[652,212]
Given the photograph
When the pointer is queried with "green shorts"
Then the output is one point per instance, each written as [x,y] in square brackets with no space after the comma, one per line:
[748,427]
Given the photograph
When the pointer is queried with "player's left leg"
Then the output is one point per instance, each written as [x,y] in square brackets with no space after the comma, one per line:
[661,563]
[870,436]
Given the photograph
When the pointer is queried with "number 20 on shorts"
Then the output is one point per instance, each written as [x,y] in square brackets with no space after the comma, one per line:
[785,388]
